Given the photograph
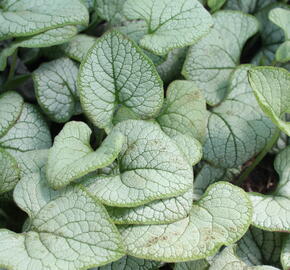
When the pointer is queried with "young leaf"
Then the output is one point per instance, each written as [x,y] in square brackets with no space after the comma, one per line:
[72,157]
[26,18]
[221,217]
[271,212]
[45,39]
[9,172]
[237,129]
[11,105]
[210,62]
[281,17]
[228,260]
[285,255]
[170,24]
[78,47]
[272,89]
[72,231]
[151,167]
[116,73]
[55,89]
[130,263]
[258,247]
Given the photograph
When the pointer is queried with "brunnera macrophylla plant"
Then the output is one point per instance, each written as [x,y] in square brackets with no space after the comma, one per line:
[128,126]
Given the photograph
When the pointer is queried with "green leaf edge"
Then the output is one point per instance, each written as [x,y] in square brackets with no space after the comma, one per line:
[32,33]
[109,220]
[89,53]
[282,125]
[218,245]
[270,229]
[90,169]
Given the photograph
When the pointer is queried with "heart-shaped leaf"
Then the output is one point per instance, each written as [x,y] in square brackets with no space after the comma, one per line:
[70,231]
[55,89]
[72,157]
[237,129]
[272,212]
[272,89]
[219,218]
[170,24]
[116,73]
[210,61]
[150,165]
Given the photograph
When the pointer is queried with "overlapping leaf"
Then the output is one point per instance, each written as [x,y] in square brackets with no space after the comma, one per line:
[170,24]
[210,61]
[228,260]
[130,263]
[281,17]
[78,47]
[116,73]
[271,35]
[45,39]
[237,129]
[258,247]
[271,212]
[55,89]
[196,265]
[22,129]
[72,157]
[67,231]
[219,218]
[110,10]
[272,89]
[26,18]
[150,165]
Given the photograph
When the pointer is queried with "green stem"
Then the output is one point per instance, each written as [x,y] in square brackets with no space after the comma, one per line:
[12,67]
[259,158]
[3,214]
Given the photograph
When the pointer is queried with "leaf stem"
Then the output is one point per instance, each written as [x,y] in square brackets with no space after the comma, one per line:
[12,67]
[3,214]
[259,158]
